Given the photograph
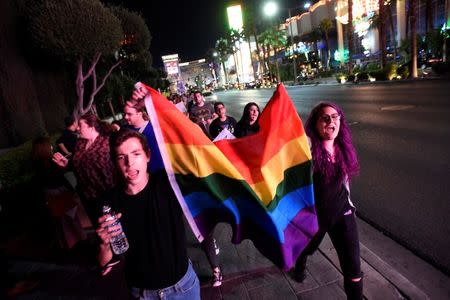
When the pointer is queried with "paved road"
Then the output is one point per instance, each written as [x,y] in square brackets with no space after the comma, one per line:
[401,131]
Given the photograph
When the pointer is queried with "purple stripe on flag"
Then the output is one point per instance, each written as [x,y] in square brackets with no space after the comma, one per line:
[297,235]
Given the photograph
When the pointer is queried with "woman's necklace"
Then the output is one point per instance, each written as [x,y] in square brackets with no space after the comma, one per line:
[331,151]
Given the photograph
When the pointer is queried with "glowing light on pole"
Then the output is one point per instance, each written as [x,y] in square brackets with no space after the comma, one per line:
[270,9]
[235,22]
[235,17]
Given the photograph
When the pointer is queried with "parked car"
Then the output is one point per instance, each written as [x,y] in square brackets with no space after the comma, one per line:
[251,85]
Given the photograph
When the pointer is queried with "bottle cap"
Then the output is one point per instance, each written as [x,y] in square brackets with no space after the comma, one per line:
[106,209]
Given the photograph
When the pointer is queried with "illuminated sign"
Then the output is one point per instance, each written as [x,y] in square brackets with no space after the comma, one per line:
[361,9]
[235,17]
[302,48]
[171,64]
[341,56]
[362,25]
[171,67]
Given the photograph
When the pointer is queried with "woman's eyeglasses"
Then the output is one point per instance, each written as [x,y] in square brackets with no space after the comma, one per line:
[328,118]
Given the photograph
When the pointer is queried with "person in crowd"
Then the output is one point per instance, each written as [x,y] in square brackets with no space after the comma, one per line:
[223,121]
[202,113]
[249,122]
[136,117]
[48,174]
[92,163]
[156,264]
[334,164]
[68,140]
[190,100]
[58,194]
[116,125]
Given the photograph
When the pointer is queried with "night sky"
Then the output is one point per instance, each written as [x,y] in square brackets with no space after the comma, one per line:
[188,28]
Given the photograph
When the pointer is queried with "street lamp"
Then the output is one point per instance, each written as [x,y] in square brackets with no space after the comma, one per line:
[213,67]
[270,9]
[294,61]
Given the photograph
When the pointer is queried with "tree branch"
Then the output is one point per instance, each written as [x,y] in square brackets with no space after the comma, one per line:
[106,77]
[79,88]
[96,90]
[94,63]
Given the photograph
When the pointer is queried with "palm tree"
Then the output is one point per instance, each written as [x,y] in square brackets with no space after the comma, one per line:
[224,50]
[275,39]
[325,26]
[247,33]
[235,37]
[212,58]
[262,41]
[388,12]
[413,70]
[428,16]
[250,29]
[382,32]
[350,35]
[444,46]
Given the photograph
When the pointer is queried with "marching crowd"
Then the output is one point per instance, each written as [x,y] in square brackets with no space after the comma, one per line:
[117,164]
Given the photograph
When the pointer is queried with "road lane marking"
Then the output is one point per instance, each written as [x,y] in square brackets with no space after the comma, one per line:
[397,107]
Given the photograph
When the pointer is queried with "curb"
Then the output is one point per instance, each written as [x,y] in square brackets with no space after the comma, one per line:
[401,283]
[381,280]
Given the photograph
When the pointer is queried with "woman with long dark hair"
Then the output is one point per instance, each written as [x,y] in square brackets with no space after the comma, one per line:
[249,122]
[334,164]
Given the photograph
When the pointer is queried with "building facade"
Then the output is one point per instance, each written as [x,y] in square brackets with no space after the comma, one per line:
[365,36]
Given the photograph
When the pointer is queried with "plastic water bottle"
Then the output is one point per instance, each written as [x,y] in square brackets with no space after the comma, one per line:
[119,243]
[216,247]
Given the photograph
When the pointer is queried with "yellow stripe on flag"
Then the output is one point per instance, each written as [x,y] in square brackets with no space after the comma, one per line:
[273,172]
[200,161]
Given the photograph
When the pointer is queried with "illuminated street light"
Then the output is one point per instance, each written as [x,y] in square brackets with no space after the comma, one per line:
[235,17]
[270,9]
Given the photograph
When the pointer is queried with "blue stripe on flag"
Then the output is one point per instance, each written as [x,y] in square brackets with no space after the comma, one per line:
[288,207]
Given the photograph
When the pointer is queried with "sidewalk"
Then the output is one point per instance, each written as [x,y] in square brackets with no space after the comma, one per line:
[390,272]
[249,275]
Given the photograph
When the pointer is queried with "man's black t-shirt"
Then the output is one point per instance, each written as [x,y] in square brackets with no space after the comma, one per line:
[199,114]
[69,139]
[217,126]
[153,223]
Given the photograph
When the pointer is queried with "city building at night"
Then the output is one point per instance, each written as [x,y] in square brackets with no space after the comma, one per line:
[365,37]
[197,73]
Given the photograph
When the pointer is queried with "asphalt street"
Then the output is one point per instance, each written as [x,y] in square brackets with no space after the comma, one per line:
[401,131]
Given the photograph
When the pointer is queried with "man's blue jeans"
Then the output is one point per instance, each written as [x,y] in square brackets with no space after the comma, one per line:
[187,288]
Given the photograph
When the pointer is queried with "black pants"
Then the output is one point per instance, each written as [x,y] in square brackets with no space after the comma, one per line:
[211,250]
[344,235]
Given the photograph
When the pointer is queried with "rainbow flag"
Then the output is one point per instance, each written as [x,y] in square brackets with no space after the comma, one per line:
[261,184]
